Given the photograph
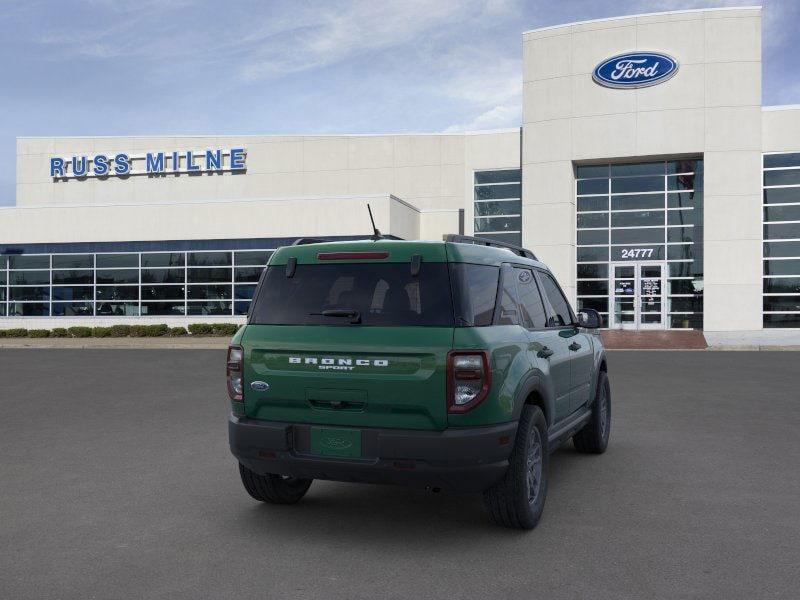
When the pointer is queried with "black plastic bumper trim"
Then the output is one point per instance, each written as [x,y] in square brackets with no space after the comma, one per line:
[459,459]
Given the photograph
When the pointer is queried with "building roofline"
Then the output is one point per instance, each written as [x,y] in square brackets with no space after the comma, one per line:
[782,107]
[264,135]
[652,14]
[387,195]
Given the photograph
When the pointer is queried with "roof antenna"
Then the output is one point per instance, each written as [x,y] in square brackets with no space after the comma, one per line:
[376,234]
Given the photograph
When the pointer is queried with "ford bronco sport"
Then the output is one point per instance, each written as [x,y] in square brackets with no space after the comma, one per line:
[452,365]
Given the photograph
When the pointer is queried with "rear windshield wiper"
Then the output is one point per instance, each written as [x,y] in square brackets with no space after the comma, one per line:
[353,315]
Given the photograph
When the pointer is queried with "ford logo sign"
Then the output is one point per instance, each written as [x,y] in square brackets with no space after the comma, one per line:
[635,70]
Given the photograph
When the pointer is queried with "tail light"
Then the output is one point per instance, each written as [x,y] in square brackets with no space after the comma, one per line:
[234,372]
[468,379]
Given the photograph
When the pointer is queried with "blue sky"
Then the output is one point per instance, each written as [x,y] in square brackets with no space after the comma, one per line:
[104,67]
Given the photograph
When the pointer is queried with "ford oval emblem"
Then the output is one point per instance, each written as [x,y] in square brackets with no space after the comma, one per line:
[635,70]
[259,386]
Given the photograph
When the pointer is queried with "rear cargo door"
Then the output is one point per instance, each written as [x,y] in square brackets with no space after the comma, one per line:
[363,377]
[337,340]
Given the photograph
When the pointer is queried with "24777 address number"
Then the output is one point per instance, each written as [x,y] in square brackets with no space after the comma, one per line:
[637,252]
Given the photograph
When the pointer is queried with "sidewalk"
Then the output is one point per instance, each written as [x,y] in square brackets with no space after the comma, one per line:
[766,339]
[183,343]
[688,339]
[682,339]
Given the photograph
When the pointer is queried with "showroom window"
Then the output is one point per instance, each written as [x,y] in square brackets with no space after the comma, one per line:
[640,243]
[130,284]
[498,205]
[781,300]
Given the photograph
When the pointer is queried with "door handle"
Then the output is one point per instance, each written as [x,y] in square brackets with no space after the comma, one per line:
[574,346]
[545,352]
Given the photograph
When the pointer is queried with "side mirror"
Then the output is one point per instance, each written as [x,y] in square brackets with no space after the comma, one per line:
[590,319]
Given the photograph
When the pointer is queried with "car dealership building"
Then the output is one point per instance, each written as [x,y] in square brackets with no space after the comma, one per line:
[646,174]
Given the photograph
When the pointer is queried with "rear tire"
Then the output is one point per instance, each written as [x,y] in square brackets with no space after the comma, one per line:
[593,438]
[518,499]
[273,489]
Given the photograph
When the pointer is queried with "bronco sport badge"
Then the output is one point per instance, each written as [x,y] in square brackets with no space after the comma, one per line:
[337,364]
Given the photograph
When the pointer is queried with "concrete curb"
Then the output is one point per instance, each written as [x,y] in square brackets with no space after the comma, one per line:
[199,343]
[718,348]
[754,347]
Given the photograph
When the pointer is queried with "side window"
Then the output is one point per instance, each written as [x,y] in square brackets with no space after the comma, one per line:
[482,292]
[474,293]
[563,314]
[509,314]
[530,300]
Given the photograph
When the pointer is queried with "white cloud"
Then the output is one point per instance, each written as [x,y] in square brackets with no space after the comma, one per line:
[787,93]
[115,29]
[647,6]
[465,53]
[497,117]
[493,95]
[335,34]
[779,22]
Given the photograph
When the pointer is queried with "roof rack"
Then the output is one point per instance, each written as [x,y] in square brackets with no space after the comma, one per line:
[309,240]
[479,241]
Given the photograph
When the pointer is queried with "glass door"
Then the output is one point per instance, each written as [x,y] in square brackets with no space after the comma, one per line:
[637,295]
[623,296]
[650,299]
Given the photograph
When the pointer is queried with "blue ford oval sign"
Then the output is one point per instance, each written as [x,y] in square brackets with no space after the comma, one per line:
[635,70]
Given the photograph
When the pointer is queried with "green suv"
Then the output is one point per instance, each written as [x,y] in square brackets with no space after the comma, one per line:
[453,365]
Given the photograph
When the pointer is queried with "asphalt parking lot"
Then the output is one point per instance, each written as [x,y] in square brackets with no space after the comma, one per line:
[116,482]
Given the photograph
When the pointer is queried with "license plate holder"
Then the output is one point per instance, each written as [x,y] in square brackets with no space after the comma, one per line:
[331,441]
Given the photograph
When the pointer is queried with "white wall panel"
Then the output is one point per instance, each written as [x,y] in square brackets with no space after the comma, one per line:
[710,108]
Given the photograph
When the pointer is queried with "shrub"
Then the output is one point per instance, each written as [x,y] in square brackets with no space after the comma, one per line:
[138,330]
[226,329]
[101,332]
[39,333]
[156,330]
[59,332]
[16,332]
[119,330]
[201,329]
[177,331]
[80,332]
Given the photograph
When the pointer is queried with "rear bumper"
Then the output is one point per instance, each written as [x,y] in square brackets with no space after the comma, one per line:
[459,459]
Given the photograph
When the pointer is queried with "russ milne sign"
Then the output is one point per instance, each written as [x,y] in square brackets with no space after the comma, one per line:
[635,70]
[122,164]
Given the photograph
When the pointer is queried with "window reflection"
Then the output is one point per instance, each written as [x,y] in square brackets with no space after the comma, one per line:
[498,205]
[108,284]
[115,261]
[651,210]
[72,309]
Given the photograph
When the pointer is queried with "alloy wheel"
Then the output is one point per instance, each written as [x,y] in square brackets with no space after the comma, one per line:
[534,466]
[603,401]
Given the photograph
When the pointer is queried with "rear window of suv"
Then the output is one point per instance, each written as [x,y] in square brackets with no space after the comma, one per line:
[385,294]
